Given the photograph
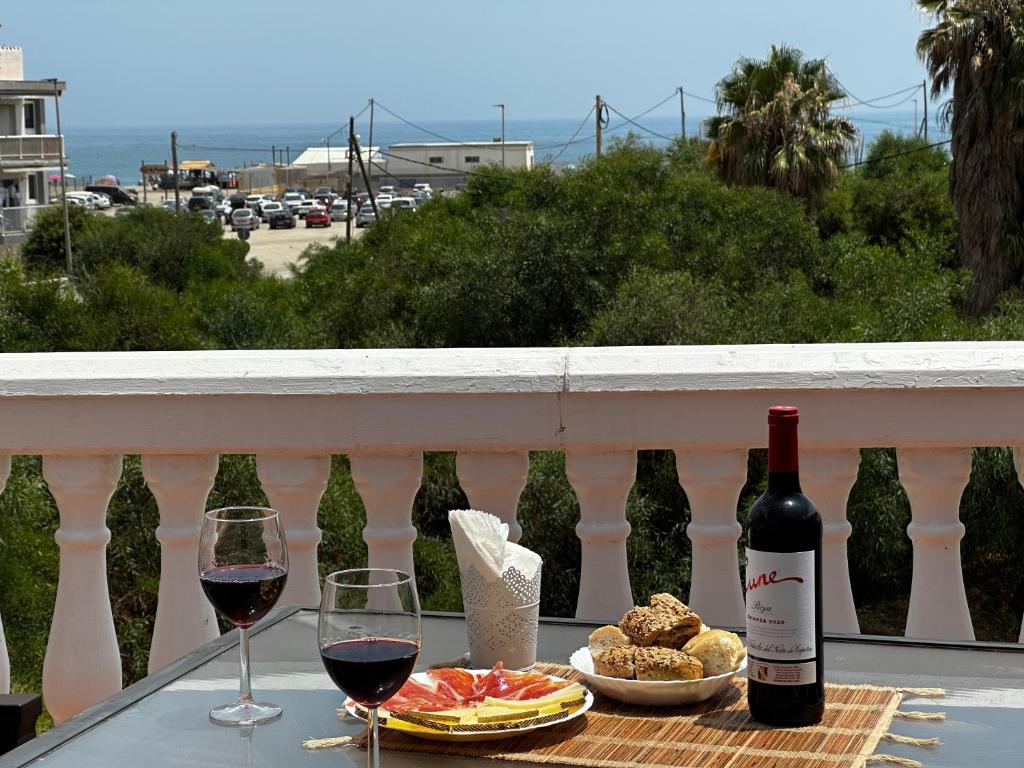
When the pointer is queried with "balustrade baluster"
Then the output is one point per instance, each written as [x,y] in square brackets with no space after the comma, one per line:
[388,485]
[934,480]
[5,662]
[1018,462]
[184,617]
[827,477]
[294,486]
[602,482]
[82,664]
[493,482]
[713,481]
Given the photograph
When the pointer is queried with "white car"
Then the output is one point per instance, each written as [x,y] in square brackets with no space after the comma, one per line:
[303,207]
[86,200]
[387,190]
[365,215]
[244,218]
[404,204]
[292,200]
[268,207]
[101,200]
[223,209]
[422,187]
[339,210]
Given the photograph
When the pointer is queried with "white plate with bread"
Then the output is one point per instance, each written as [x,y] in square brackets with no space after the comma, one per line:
[660,655]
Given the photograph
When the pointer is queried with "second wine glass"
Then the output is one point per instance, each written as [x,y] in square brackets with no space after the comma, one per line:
[369,637]
[243,566]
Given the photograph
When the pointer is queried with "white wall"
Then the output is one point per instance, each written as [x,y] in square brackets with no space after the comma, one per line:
[12,65]
[454,156]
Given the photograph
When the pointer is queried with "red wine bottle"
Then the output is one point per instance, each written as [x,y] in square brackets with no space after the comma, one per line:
[785,669]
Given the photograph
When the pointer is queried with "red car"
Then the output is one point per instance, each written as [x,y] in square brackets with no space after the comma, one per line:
[317,217]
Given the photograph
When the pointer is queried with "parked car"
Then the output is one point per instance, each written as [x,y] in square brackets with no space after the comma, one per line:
[317,216]
[117,195]
[404,204]
[201,203]
[283,218]
[384,197]
[292,199]
[168,205]
[268,207]
[244,218]
[82,199]
[324,198]
[298,191]
[102,201]
[365,215]
[210,215]
[339,209]
[422,187]
[387,189]
[325,190]
[303,207]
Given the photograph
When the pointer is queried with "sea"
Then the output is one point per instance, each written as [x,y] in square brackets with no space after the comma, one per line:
[119,151]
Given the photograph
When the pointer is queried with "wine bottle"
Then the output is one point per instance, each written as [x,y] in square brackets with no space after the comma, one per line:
[785,669]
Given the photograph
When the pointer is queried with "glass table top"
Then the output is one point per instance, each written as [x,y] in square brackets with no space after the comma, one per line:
[162,720]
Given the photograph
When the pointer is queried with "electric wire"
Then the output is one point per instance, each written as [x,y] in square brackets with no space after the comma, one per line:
[632,121]
[414,125]
[898,154]
[573,137]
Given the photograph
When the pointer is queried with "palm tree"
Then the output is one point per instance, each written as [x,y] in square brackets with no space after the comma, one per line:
[977,46]
[774,127]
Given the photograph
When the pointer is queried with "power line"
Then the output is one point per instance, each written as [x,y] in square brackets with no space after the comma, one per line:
[631,121]
[417,127]
[574,135]
[897,154]
[700,98]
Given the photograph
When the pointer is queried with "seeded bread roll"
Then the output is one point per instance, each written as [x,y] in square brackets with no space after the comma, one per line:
[604,638]
[617,662]
[719,651]
[666,664]
[667,623]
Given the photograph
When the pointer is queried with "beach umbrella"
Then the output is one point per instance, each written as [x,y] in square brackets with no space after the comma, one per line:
[108,179]
[56,176]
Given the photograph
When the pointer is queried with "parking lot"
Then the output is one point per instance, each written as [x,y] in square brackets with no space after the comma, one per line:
[278,248]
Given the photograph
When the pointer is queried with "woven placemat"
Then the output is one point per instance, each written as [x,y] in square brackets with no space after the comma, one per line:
[715,733]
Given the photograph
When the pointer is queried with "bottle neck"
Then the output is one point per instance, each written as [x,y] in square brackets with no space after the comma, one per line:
[783,457]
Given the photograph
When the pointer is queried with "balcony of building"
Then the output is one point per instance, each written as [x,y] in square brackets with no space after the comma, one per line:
[384,408]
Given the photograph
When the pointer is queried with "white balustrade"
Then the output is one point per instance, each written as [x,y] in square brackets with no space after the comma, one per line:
[827,477]
[5,662]
[493,483]
[934,481]
[294,486]
[602,482]
[82,664]
[184,617]
[388,486]
[713,481]
[384,408]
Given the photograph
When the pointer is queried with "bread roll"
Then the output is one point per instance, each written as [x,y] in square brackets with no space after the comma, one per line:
[618,661]
[666,664]
[667,623]
[719,651]
[604,638]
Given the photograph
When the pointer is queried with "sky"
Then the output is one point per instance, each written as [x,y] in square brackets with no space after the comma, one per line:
[153,63]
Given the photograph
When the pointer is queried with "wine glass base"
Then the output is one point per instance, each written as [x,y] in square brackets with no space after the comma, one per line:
[245,713]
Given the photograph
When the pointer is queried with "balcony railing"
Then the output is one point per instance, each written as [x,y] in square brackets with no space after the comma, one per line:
[384,408]
[29,148]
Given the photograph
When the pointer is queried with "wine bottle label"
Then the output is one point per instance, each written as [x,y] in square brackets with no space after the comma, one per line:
[780,617]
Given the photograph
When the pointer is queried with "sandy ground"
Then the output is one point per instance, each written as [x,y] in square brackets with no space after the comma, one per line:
[277,249]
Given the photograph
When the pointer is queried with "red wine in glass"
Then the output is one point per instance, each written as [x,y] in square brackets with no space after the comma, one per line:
[243,566]
[370,670]
[369,638]
[243,594]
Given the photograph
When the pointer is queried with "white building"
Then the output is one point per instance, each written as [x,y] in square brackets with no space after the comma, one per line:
[29,154]
[448,163]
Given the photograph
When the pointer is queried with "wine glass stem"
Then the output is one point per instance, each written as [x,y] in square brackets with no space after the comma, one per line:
[244,691]
[372,744]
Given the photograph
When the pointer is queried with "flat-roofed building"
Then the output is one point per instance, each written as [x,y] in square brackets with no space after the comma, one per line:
[450,163]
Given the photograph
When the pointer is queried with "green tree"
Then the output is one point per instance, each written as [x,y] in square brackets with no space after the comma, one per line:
[977,48]
[775,128]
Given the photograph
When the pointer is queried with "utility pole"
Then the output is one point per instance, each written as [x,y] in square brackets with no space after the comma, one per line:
[328,142]
[924,91]
[917,125]
[502,107]
[370,143]
[366,179]
[174,162]
[63,180]
[145,182]
[351,143]
[682,113]
[598,126]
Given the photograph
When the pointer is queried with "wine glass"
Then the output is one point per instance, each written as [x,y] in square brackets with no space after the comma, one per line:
[369,637]
[243,566]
